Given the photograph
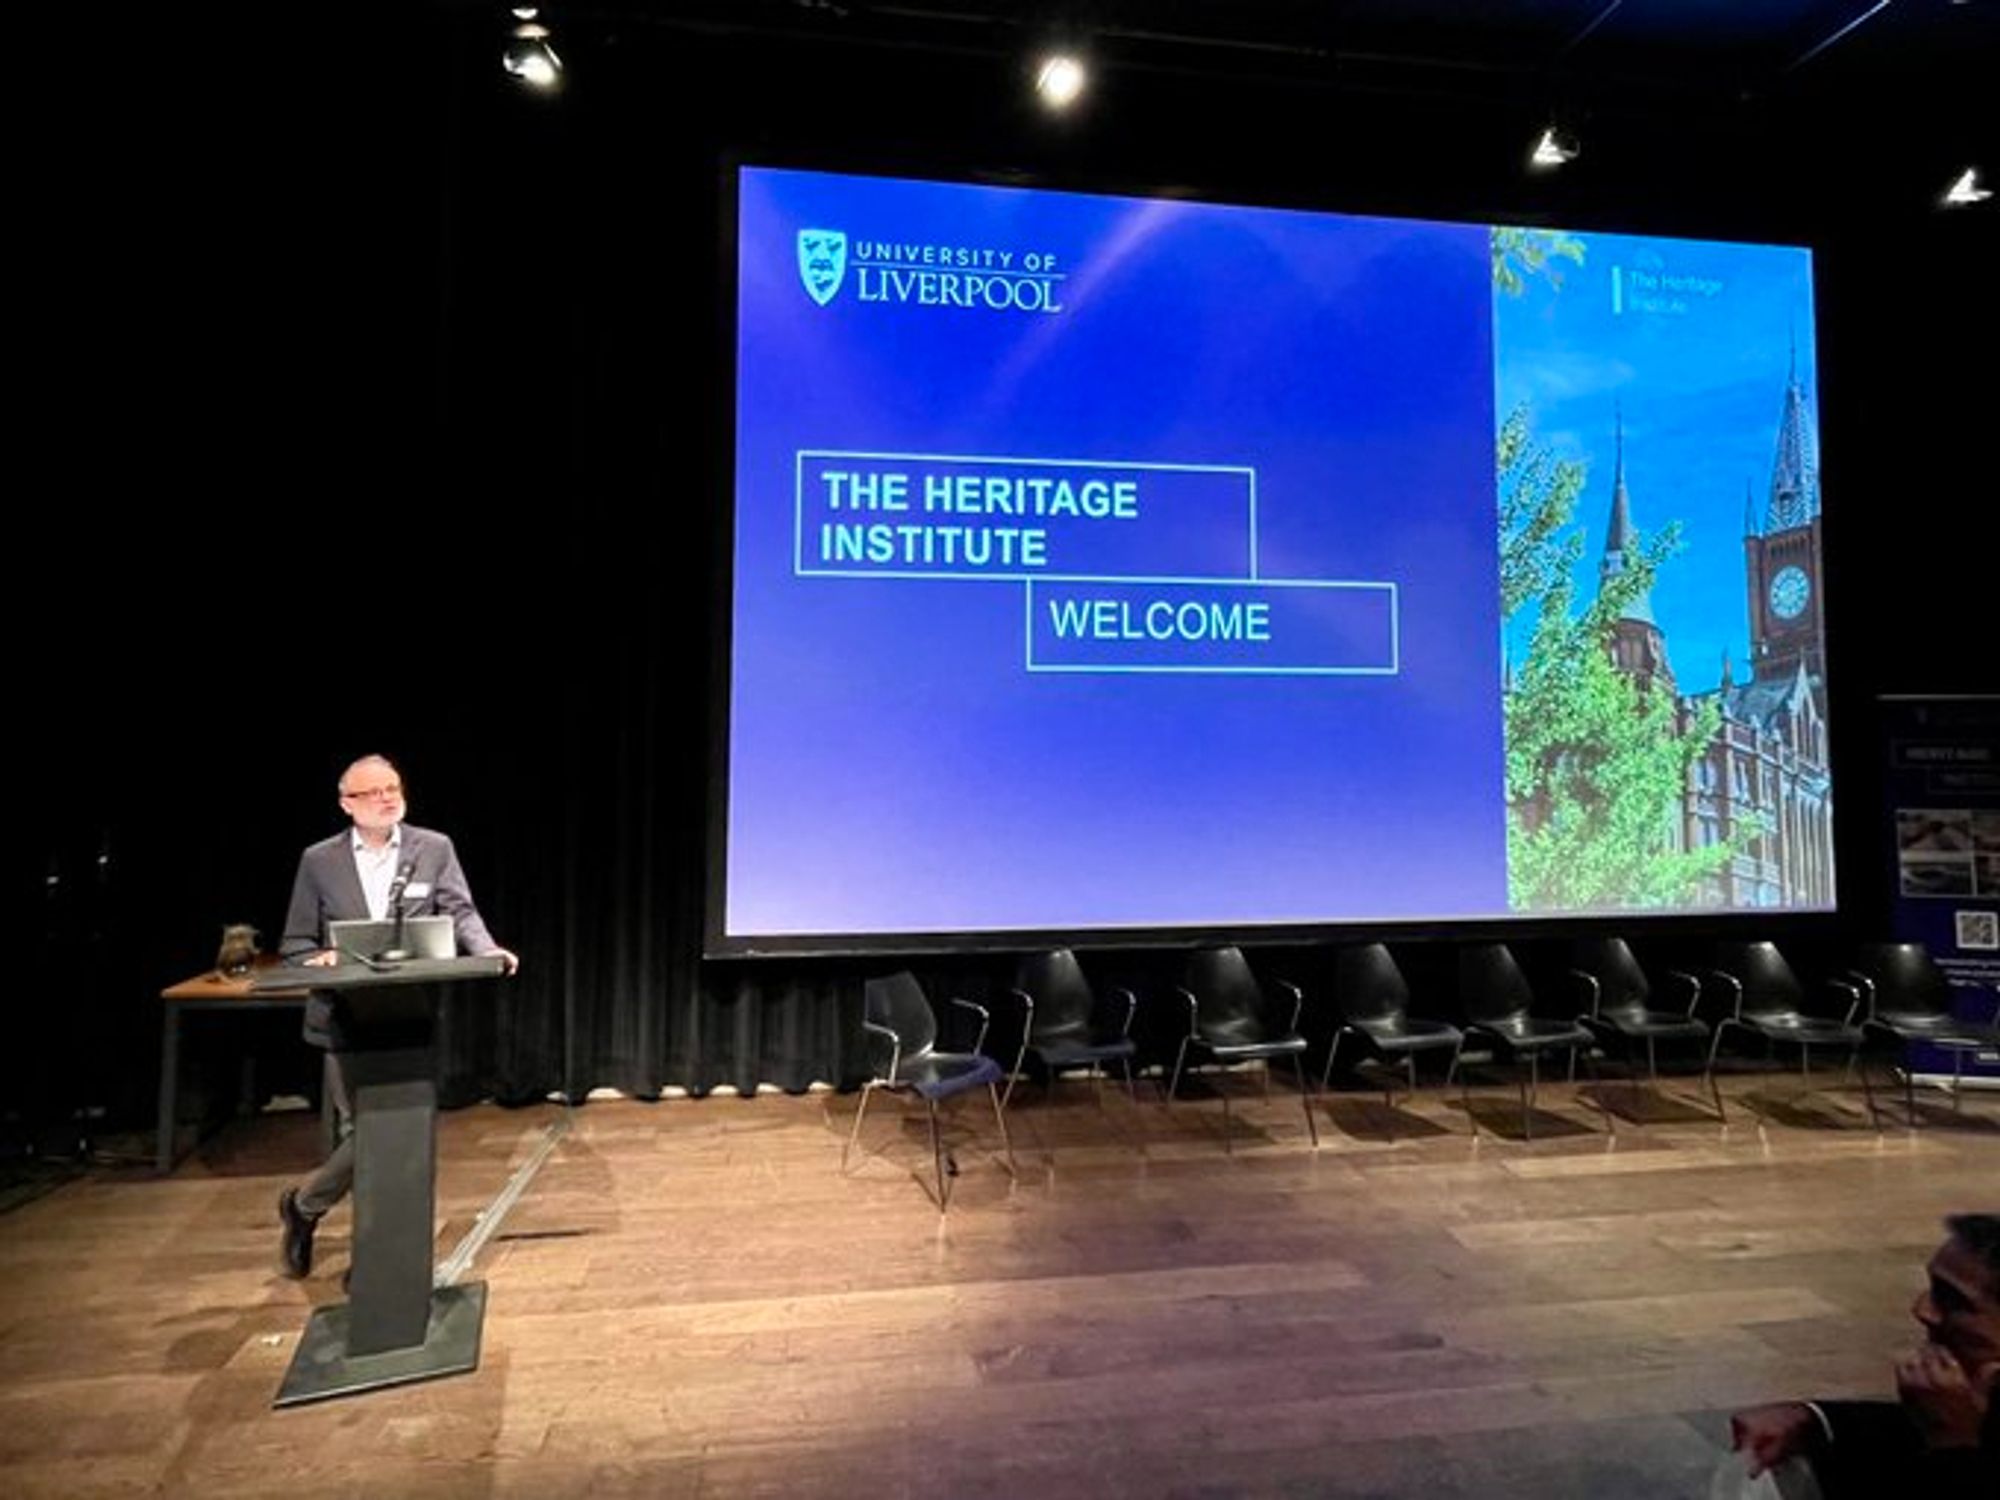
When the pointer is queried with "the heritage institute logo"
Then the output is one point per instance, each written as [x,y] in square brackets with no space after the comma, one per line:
[822,262]
[925,273]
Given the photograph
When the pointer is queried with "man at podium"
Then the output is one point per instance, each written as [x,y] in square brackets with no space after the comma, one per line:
[380,867]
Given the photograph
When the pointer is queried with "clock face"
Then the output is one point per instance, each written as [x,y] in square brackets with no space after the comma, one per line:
[1789,592]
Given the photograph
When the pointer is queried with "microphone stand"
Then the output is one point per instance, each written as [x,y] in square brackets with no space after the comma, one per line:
[396,953]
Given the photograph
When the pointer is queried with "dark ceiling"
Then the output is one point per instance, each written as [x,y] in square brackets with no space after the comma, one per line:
[1884,100]
[1634,53]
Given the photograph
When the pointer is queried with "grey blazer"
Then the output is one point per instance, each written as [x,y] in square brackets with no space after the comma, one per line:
[327,889]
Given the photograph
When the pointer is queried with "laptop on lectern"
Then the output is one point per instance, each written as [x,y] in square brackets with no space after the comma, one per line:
[366,938]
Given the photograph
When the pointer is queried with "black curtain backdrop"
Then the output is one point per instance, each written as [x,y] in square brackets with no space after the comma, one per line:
[392,410]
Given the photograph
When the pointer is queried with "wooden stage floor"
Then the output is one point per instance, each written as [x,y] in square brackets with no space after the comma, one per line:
[689,1300]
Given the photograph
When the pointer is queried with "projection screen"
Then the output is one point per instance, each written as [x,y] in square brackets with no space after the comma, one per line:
[1109,564]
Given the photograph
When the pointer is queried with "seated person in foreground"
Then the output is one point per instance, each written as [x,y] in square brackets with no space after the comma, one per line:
[1941,1437]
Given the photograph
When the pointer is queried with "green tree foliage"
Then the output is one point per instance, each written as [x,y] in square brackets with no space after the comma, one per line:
[1520,253]
[1595,761]
[1538,492]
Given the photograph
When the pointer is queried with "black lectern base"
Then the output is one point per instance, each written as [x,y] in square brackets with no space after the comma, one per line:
[322,1368]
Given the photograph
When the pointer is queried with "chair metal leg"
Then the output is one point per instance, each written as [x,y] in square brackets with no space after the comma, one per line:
[1867,1089]
[1000,1119]
[1597,1088]
[1652,1062]
[1130,1087]
[1708,1075]
[937,1155]
[854,1135]
[1021,1057]
[1181,1061]
[1305,1096]
[1326,1076]
[1228,1130]
[1527,1113]
[1464,1093]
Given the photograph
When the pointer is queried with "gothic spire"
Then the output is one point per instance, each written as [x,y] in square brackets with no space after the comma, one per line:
[1795,471]
[1621,537]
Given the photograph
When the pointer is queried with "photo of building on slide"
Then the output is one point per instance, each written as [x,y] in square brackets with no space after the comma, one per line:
[1662,624]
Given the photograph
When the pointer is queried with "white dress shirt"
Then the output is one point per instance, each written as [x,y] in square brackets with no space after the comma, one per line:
[377,869]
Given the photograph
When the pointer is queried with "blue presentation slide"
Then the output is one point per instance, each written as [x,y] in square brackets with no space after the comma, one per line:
[1109,563]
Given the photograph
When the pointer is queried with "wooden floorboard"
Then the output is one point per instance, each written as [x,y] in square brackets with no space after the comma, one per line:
[691,1301]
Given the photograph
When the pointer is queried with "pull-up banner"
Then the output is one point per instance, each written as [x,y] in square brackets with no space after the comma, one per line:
[1944,828]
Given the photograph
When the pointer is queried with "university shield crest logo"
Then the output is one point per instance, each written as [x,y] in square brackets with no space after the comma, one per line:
[822,262]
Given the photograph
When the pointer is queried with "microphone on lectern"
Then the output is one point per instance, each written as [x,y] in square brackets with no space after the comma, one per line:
[396,953]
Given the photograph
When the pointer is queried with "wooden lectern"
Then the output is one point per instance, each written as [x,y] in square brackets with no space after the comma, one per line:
[396,1327]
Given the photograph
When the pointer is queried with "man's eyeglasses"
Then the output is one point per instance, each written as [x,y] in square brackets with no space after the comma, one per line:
[374,794]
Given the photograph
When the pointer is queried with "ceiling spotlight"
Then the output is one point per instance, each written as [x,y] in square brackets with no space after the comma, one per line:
[1060,80]
[1554,148]
[1966,190]
[528,56]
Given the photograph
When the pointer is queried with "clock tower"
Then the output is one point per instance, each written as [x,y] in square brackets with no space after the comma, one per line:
[1782,555]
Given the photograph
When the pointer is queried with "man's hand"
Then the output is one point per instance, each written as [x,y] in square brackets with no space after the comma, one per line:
[326,958]
[1947,1406]
[507,959]
[1768,1435]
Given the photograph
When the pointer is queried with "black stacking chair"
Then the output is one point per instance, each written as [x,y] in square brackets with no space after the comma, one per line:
[1063,1025]
[1499,1010]
[1909,1003]
[1374,1020]
[1765,999]
[1619,1000]
[1232,1020]
[902,1034]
